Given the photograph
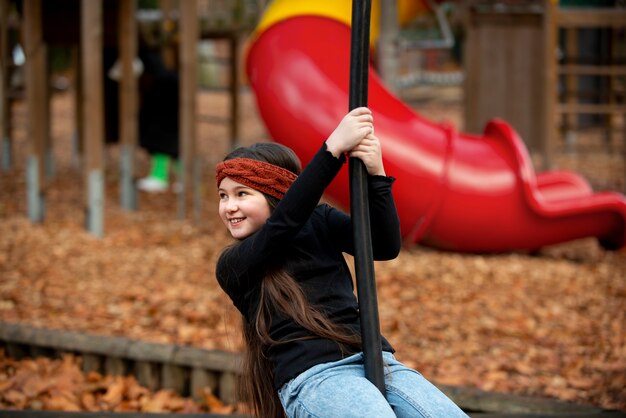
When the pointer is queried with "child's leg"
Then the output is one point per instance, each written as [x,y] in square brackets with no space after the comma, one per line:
[158,179]
[411,395]
[160,167]
[337,389]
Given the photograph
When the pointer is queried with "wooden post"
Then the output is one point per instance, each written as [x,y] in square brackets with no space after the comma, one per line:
[93,112]
[188,84]
[148,374]
[202,379]
[77,143]
[128,88]
[571,90]
[46,121]
[36,72]
[6,150]
[550,29]
[387,49]
[227,388]
[115,366]
[234,89]
[174,377]
[92,363]
[168,53]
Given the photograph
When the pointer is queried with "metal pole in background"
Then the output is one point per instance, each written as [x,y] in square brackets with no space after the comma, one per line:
[363,257]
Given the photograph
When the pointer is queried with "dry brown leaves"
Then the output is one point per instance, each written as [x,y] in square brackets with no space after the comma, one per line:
[59,385]
[550,324]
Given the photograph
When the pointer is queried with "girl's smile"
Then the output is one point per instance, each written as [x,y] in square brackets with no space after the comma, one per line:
[242,209]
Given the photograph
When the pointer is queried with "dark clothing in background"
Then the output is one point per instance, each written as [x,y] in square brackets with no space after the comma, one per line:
[158,103]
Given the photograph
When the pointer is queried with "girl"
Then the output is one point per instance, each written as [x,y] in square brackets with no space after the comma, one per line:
[287,276]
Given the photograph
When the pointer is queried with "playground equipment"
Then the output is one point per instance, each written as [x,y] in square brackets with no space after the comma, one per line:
[454,191]
[86,27]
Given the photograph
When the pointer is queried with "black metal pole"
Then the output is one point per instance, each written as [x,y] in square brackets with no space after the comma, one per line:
[363,258]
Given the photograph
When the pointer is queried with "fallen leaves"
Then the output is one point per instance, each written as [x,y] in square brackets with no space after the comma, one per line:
[536,325]
[58,384]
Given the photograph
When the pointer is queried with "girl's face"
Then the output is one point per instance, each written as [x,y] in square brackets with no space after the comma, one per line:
[242,209]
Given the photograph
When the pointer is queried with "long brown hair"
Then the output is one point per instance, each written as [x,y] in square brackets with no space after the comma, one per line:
[280,294]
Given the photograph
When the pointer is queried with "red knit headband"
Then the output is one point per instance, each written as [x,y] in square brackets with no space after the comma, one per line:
[261,176]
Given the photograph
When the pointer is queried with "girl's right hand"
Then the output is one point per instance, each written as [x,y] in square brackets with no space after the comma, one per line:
[352,129]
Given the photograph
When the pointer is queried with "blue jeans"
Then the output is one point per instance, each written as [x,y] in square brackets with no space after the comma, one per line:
[340,389]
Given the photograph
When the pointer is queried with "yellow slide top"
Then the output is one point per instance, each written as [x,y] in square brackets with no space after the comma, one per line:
[340,10]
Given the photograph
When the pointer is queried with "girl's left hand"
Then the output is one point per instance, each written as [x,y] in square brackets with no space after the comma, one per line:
[369,151]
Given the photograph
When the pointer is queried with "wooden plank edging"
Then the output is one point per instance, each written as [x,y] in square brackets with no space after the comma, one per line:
[472,399]
[215,360]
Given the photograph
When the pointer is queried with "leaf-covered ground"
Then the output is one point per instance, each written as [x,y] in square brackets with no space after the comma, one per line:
[59,385]
[550,324]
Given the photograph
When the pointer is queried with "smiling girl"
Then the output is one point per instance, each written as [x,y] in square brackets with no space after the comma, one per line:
[287,276]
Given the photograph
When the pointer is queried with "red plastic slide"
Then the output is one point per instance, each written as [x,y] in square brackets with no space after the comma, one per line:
[454,191]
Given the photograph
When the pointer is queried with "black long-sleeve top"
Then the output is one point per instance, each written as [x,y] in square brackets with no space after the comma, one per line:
[307,239]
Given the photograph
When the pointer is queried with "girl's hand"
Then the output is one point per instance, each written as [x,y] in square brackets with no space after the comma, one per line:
[352,129]
[369,151]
